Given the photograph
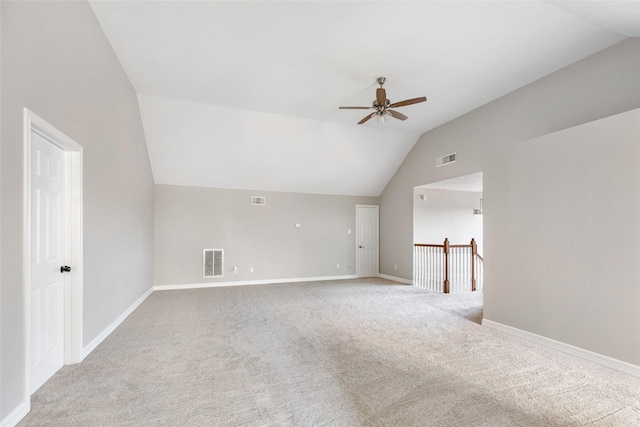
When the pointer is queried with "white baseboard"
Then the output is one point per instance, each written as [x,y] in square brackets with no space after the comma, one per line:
[609,362]
[16,415]
[249,282]
[109,329]
[396,279]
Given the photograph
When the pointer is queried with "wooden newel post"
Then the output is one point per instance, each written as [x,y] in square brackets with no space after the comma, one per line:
[446,266]
[474,252]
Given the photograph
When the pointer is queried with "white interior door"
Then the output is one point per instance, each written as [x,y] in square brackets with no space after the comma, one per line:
[367,241]
[46,300]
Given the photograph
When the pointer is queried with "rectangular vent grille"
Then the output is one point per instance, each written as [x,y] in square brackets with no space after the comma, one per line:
[212,262]
[258,201]
[445,160]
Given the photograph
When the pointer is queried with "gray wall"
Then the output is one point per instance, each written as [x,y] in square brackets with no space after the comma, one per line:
[599,86]
[447,214]
[565,216]
[57,62]
[190,219]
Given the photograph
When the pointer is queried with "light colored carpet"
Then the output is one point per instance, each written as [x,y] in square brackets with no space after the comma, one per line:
[343,353]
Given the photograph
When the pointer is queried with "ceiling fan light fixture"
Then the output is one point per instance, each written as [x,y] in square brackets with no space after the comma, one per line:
[381,115]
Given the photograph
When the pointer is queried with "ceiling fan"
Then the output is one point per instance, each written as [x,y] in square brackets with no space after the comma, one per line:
[382,105]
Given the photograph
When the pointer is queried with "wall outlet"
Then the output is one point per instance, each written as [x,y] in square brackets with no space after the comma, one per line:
[395,267]
[235,269]
[349,231]
[298,225]
[251,270]
[337,265]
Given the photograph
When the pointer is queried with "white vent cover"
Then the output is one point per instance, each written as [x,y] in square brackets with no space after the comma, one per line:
[258,201]
[212,262]
[445,160]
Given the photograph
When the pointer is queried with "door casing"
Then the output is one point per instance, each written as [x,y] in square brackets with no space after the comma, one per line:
[73,281]
[377,227]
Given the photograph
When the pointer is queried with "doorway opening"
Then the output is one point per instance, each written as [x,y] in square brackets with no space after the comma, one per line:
[448,234]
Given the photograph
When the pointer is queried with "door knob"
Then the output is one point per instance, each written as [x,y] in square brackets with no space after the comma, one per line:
[361,247]
[65,268]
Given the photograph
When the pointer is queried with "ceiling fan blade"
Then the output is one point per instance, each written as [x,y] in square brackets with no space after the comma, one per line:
[355,108]
[366,118]
[397,115]
[408,102]
[381,96]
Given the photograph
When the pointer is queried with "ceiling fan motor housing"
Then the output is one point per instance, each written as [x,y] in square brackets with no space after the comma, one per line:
[376,105]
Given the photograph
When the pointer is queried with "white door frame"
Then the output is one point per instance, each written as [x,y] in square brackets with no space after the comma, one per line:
[73,281]
[358,236]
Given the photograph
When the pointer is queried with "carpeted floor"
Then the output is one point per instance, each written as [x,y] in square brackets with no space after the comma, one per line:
[363,352]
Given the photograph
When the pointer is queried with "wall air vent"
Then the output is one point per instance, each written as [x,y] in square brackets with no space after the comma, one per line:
[258,201]
[212,262]
[445,160]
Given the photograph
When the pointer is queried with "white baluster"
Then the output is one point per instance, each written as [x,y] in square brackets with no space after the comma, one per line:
[430,269]
[416,266]
[456,273]
[422,266]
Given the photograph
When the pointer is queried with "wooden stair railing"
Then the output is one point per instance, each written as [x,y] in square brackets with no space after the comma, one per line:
[448,268]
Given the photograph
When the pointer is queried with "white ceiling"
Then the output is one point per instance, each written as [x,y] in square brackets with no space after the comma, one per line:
[246,94]
[211,146]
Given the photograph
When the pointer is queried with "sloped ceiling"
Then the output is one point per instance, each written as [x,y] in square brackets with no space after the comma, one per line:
[245,94]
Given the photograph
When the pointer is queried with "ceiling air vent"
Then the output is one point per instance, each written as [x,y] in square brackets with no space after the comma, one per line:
[258,201]
[445,160]
[212,260]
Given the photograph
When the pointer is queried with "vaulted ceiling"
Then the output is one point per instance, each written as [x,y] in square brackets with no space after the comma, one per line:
[240,94]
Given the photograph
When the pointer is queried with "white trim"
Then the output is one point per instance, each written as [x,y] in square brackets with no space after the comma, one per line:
[250,282]
[75,238]
[606,361]
[396,279]
[16,415]
[358,234]
[112,327]
[73,282]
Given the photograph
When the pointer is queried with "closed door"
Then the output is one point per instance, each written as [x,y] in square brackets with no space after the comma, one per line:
[367,241]
[46,302]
